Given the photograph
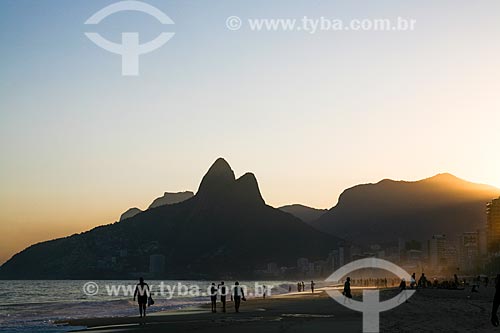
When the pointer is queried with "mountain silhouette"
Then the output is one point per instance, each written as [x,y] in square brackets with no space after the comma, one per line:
[226,229]
[305,213]
[170,198]
[131,212]
[388,210]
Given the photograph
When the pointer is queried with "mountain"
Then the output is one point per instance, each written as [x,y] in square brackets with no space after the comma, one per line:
[388,210]
[131,212]
[226,229]
[306,214]
[169,198]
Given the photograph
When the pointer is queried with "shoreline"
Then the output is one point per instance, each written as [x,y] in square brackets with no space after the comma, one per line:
[429,310]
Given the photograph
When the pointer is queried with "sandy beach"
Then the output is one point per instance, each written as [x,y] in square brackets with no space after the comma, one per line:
[429,310]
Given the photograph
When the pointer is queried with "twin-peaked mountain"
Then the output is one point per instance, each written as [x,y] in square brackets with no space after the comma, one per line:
[226,229]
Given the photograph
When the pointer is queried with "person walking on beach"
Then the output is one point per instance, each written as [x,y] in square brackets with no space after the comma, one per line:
[223,293]
[312,287]
[238,295]
[142,293]
[303,286]
[347,288]
[213,297]
[264,291]
[496,302]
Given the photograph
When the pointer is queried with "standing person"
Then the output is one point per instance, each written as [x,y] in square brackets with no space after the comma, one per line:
[303,286]
[422,282]
[142,293]
[298,286]
[264,291]
[213,297]
[238,296]
[312,287]
[223,293]
[402,288]
[347,288]
[496,302]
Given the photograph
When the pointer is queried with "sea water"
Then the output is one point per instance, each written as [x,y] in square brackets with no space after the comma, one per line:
[35,306]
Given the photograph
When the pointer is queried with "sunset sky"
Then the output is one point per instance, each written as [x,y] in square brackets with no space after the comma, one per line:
[309,114]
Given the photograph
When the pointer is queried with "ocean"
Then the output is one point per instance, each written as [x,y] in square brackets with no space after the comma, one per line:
[34,306]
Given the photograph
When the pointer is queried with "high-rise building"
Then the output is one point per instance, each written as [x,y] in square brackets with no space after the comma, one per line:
[157,263]
[272,268]
[302,264]
[469,248]
[493,225]
[437,251]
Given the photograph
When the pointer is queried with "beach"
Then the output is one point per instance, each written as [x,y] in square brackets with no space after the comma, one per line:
[429,310]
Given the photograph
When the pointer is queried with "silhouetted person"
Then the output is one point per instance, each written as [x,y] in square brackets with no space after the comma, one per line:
[289,289]
[496,302]
[213,297]
[299,287]
[223,293]
[413,281]
[303,286]
[312,287]
[422,282]
[264,291]
[347,288]
[402,288]
[238,295]
[142,293]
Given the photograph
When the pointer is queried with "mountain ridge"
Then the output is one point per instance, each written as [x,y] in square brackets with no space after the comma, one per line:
[226,229]
[377,212]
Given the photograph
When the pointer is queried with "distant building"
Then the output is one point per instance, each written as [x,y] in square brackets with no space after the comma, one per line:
[303,264]
[272,268]
[451,258]
[493,225]
[156,263]
[437,251]
[469,248]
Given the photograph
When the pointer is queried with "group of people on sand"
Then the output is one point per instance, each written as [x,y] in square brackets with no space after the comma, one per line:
[237,295]
[301,286]
[143,295]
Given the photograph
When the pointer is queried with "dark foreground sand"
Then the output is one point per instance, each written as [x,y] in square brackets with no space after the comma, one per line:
[429,310]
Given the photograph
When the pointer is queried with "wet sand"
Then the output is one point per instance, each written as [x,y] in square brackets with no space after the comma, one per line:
[429,310]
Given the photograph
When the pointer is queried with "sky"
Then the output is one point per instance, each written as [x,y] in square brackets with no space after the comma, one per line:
[310,114]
